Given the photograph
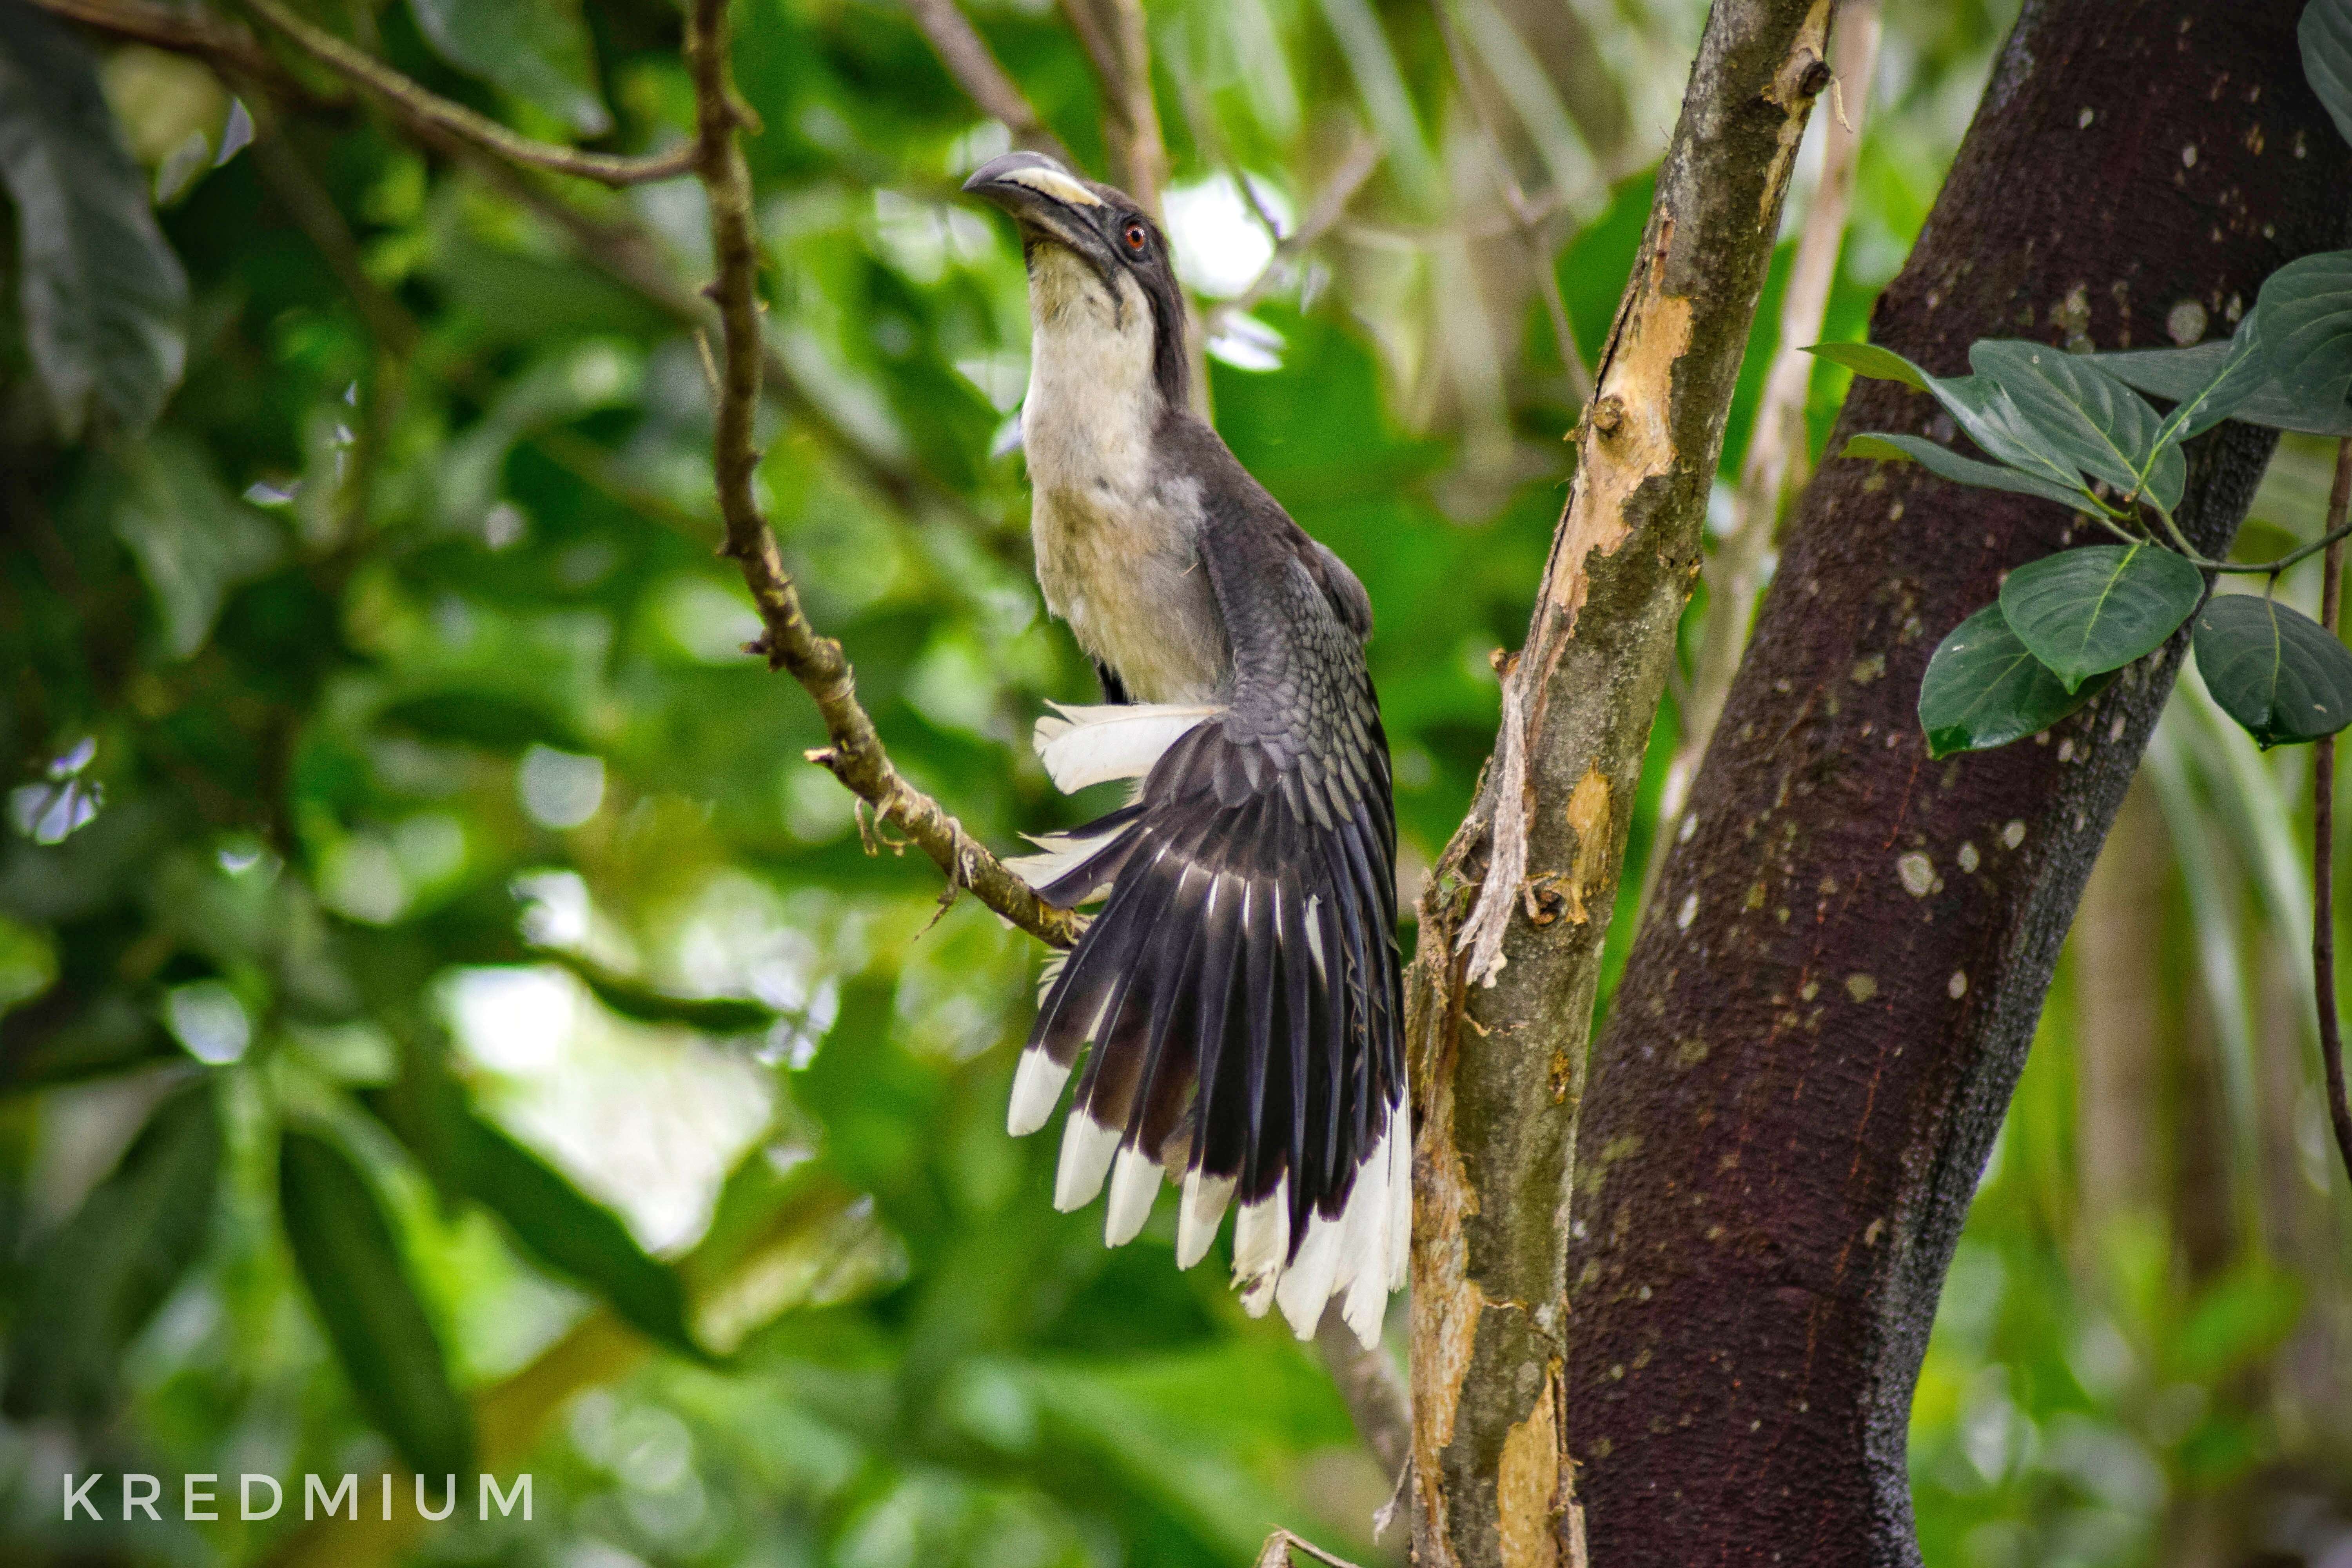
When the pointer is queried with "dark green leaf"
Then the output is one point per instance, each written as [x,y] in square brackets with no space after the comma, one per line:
[634,999]
[2175,374]
[569,1233]
[1943,461]
[2242,373]
[105,301]
[1870,360]
[344,1249]
[1985,689]
[193,541]
[2306,310]
[492,721]
[2325,34]
[536,50]
[97,1281]
[2086,611]
[2101,426]
[69,1035]
[1982,408]
[2275,670]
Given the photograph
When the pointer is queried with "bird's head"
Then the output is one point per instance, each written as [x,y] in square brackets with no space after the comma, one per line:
[1096,261]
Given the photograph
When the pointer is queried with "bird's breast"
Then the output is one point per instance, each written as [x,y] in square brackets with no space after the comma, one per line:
[1122,568]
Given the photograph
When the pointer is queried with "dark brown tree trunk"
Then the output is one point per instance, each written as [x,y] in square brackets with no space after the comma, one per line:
[1830,999]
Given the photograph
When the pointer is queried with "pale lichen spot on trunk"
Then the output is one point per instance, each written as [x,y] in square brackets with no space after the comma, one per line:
[1587,818]
[1638,383]
[1792,91]
[1527,1483]
[1447,1307]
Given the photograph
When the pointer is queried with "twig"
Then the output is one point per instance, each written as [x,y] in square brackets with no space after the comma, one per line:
[968,59]
[1529,215]
[2322,853]
[1331,204]
[479,131]
[1775,460]
[855,756]
[224,46]
[1372,1389]
[1276,1552]
[1113,35]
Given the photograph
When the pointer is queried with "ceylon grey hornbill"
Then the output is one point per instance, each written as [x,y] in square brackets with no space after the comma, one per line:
[1239,987]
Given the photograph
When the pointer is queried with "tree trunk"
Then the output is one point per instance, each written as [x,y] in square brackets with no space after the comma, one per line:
[1827,1010]
[1498,1020]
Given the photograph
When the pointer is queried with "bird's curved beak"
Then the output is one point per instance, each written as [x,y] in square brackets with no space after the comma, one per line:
[1045,199]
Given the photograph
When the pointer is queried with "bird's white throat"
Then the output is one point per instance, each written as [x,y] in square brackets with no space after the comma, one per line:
[1115,545]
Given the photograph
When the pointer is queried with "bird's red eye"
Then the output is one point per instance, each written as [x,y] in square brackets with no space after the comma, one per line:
[1136,236]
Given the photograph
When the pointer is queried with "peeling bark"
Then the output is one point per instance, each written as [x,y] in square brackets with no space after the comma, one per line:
[1827,1010]
[1499,1065]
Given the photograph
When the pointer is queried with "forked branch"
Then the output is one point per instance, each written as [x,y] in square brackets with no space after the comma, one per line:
[356,65]
[788,641]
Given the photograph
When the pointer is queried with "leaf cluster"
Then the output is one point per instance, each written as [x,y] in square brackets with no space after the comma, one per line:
[2075,430]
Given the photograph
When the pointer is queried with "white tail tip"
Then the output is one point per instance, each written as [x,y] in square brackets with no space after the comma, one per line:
[1087,1150]
[1206,1198]
[1036,1090]
[1134,1182]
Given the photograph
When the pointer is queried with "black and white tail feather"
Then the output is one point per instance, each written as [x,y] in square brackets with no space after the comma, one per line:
[1237,1002]
[1241,996]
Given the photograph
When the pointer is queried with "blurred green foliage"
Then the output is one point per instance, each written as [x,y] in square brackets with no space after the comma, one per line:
[410,891]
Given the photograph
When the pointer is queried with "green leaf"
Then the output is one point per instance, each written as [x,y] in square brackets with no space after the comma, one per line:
[1944,462]
[2306,310]
[1985,689]
[104,300]
[2097,423]
[634,999]
[193,541]
[2242,373]
[492,721]
[344,1250]
[2326,35]
[1982,409]
[569,1233]
[69,1035]
[538,50]
[1878,364]
[2176,374]
[100,1276]
[2086,611]
[2279,673]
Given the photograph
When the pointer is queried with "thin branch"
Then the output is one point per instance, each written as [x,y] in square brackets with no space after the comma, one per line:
[1776,462]
[2322,854]
[1323,214]
[1373,1390]
[224,46]
[855,756]
[2336,532]
[1530,217]
[479,131]
[1276,1552]
[1112,33]
[968,59]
